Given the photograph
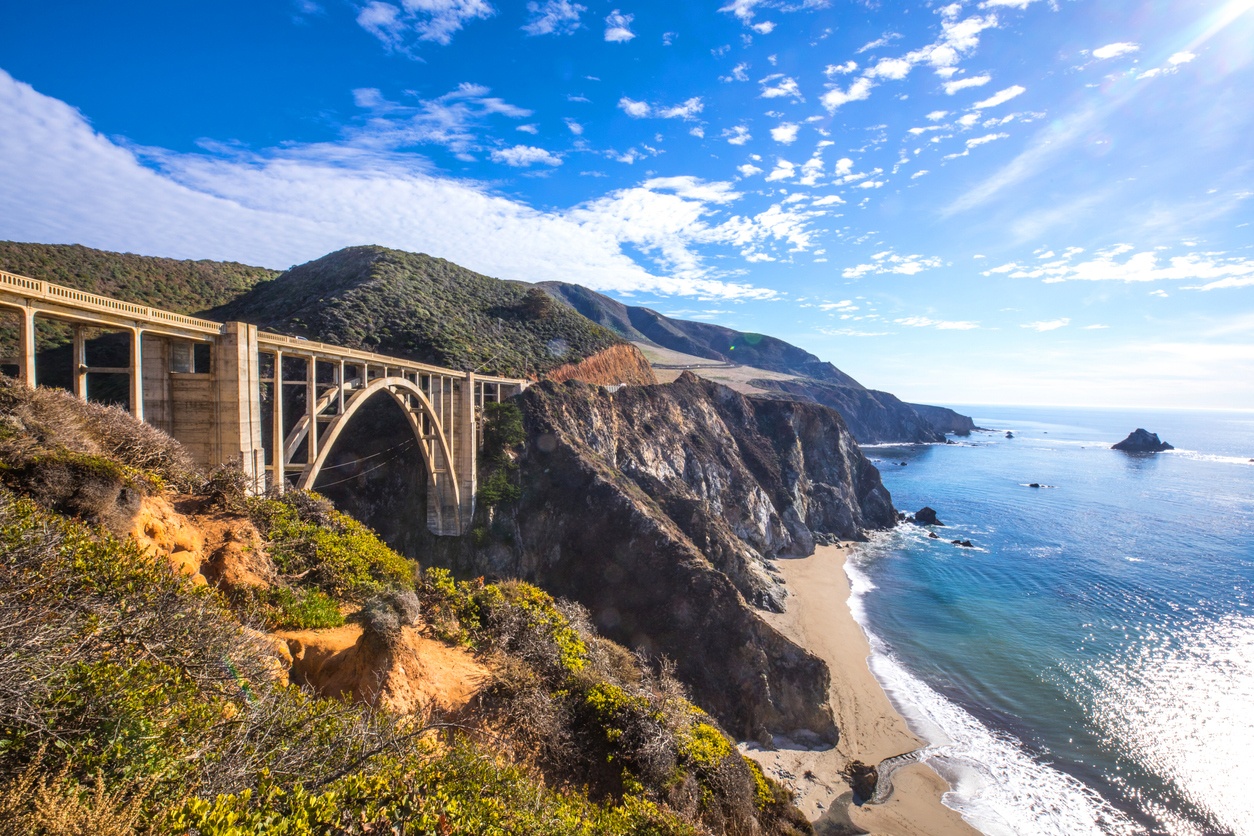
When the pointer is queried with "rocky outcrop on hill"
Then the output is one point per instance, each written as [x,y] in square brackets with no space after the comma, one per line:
[1142,441]
[659,509]
[612,366]
[873,417]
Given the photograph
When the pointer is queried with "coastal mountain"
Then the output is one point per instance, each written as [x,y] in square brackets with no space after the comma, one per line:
[420,307]
[873,416]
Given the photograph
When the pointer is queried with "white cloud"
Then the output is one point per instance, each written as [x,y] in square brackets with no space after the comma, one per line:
[1215,270]
[618,27]
[937,115]
[1000,97]
[938,324]
[783,170]
[529,129]
[521,156]
[888,262]
[859,90]
[740,72]
[553,17]
[766,27]
[633,108]
[430,20]
[828,200]
[891,68]
[1050,325]
[920,173]
[686,110]
[785,133]
[65,183]
[451,120]
[738,135]
[1115,50]
[1012,4]
[574,127]
[748,170]
[952,87]
[984,140]
[1181,58]
[878,42]
[779,85]
[840,69]
[697,131]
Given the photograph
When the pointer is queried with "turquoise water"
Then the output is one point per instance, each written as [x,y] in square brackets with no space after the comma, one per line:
[1089,666]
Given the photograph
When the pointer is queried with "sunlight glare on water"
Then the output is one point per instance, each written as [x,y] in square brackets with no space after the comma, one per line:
[1185,710]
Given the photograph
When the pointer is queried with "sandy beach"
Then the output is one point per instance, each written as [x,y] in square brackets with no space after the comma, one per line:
[818,618]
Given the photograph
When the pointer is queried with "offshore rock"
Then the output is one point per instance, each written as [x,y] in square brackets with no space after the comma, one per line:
[659,508]
[1142,441]
[926,516]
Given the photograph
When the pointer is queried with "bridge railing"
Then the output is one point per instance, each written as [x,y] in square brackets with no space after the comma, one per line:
[55,293]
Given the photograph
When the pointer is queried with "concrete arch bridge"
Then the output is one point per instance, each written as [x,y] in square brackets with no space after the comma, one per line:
[276,405]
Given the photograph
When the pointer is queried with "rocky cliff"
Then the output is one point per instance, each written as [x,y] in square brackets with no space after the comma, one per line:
[661,509]
[944,419]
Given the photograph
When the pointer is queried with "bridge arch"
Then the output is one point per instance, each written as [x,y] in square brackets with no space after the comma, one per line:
[443,489]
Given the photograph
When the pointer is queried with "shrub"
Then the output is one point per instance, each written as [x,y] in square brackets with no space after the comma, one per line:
[309,540]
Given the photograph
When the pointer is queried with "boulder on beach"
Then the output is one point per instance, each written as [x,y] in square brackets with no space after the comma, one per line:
[926,516]
[1142,441]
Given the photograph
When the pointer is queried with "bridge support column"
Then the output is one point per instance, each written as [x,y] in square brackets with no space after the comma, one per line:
[27,348]
[276,428]
[236,374]
[80,364]
[466,443]
[137,372]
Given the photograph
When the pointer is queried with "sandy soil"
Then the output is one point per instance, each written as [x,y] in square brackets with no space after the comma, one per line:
[818,618]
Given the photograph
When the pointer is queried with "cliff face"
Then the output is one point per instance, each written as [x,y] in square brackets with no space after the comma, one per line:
[659,507]
[945,419]
[873,417]
[614,365]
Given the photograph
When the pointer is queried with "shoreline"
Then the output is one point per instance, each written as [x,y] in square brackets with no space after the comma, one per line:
[871,730]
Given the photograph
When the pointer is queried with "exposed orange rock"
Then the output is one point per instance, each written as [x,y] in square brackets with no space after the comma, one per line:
[616,364]
[164,532]
[220,548]
[413,674]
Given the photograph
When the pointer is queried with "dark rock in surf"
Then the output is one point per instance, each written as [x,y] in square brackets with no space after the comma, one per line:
[926,516]
[1142,441]
[1009,434]
[966,544]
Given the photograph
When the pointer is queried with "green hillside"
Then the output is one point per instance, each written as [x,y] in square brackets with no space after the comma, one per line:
[416,306]
[167,283]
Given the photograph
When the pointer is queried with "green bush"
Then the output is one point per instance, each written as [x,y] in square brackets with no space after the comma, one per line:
[309,540]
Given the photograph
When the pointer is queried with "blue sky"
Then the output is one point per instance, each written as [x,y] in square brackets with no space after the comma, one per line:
[1008,201]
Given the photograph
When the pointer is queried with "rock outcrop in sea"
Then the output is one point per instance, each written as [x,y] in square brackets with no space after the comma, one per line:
[1142,441]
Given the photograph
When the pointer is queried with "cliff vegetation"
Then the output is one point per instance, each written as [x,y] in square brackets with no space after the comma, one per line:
[144,687]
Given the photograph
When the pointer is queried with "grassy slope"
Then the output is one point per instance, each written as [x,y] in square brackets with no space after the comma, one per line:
[425,308]
[180,286]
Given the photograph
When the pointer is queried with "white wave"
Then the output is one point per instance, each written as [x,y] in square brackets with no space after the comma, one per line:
[997,785]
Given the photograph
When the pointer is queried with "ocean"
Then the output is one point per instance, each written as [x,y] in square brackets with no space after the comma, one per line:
[1087,667]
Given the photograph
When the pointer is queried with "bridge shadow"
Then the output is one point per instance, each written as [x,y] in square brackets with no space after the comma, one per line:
[376,474]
